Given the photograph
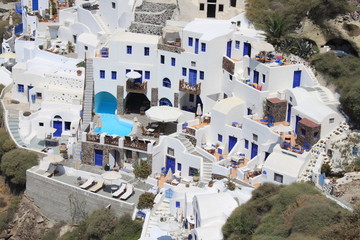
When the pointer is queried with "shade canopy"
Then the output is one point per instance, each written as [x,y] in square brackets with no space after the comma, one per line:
[282,129]
[111,175]
[8,55]
[133,75]
[163,113]
[263,46]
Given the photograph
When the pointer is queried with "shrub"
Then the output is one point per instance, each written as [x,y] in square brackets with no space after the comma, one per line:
[325,168]
[146,200]
[126,229]
[230,185]
[143,170]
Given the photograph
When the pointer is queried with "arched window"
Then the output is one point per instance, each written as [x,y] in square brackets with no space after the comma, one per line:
[166,83]
[57,117]
[165,102]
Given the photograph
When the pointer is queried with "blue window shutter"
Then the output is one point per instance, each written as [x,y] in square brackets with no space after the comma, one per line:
[129,49]
[102,74]
[246,144]
[146,51]
[173,61]
[147,74]
[203,47]
[113,75]
[190,42]
[201,75]
[184,71]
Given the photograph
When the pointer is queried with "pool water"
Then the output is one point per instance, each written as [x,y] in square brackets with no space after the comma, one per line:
[114,125]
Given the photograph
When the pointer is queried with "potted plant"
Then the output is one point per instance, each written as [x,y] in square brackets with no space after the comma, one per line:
[196,175]
[79,72]
[230,185]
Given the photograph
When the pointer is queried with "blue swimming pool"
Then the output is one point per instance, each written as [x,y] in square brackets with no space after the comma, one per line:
[113,125]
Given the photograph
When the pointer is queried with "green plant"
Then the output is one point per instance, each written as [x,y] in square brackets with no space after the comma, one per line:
[230,185]
[146,200]
[71,48]
[325,168]
[276,28]
[143,170]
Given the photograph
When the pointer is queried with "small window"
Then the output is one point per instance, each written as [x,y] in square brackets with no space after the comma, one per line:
[220,138]
[129,49]
[41,124]
[146,51]
[113,75]
[202,6]
[278,178]
[249,71]
[316,135]
[20,88]
[201,75]
[290,99]
[39,95]
[232,3]
[221,7]
[113,4]
[255,137]
[102,74]
[166,83]
[184,72]
[170,151]
[303,132]
[190,41]
[86,48]
[173,61]
[230,77]
[147,74]
[193,63]
[67,126]
[246,144]
[237,44]
[177,204]
[191,97]
[331,120]
[179,167]
[263,78]
[162,59]
[193,171]
[203,47]
[249,111]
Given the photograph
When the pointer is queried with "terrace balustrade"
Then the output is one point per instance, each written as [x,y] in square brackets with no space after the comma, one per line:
[136,87]
[189,88]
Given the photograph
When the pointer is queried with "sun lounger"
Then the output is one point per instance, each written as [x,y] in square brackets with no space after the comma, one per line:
[50,171]
[128,193]
[88,183]
[99,185]
[120,191]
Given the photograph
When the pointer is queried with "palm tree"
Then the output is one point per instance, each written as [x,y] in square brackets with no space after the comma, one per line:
[276,28]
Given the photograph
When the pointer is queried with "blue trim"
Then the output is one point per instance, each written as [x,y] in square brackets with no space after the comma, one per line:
[129,49]
[146,51]
[228,49]
[184,71]
[20,88]
[201,75]
[102,74]
[219,138]
[147,75]
[173,61]
[113,75]
[203,47]
[190,41]
[196,45]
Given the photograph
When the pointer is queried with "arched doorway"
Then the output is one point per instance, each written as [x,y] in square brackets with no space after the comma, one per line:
[342,45]
[165,102]
[134,102]
[105,102]
[58,125]
[114,158]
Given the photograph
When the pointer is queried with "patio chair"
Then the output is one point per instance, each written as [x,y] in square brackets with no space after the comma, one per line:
[120,191]
[50,171]
[88,183]
[128,193]
[99,185]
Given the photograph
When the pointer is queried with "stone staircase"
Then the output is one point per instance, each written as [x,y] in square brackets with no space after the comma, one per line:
[162,210]
[14,129]
[151,17]
[207,163]
[103,25]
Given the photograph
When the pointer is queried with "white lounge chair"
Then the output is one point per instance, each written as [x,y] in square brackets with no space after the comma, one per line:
[120,191]
[128,193]
[99,185]
[88,183]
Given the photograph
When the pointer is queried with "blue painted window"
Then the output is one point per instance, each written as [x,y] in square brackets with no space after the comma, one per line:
[237,44]
[166,83]
[165,102]
[129,49]
[249,70]
[192,171]
[162,59]
[20,88]
[67,126]
[249,111]
[191,97]
[219,138]
[146,51]
[201,75]
[147,74]
[246,144]
[102,74]
[190,42]
[316,135]
[303,132]
[177,204]
[184,71]
[263,78]
[203,47]
[113,75]
[179,166]
[173,61]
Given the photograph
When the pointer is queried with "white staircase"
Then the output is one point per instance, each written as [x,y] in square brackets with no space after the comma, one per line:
[103,25]
[163,210]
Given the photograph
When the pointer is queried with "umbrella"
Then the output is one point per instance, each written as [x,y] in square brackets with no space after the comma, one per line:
[52,158]
[133,75]
[163,113]
[263,46]
[169,175]
[282,129]
[111,176]
[198,110]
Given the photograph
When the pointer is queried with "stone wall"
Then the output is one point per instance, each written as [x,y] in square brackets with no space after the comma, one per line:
[310,130]
[170,48]
[154,96]
[120,99]
[191,139]
[146,28]
[176,100]
[276,108]
[88,153]
[63,202]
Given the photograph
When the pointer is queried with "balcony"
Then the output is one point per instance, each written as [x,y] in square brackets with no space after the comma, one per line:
[136,143]
[136,87]
[189,88]
[171,45]
[93,138]
[111,140]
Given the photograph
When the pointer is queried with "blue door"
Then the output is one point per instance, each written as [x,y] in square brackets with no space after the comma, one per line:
[29,88]
[256,77]
[139,79]
[196,45]
[192,76]
[170,164]
[247,49]
[98,157]
[297,124]
[289,113]
[254,150]
[297,79]
[228,49]
[232,142]
[35,5]
[58,126]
